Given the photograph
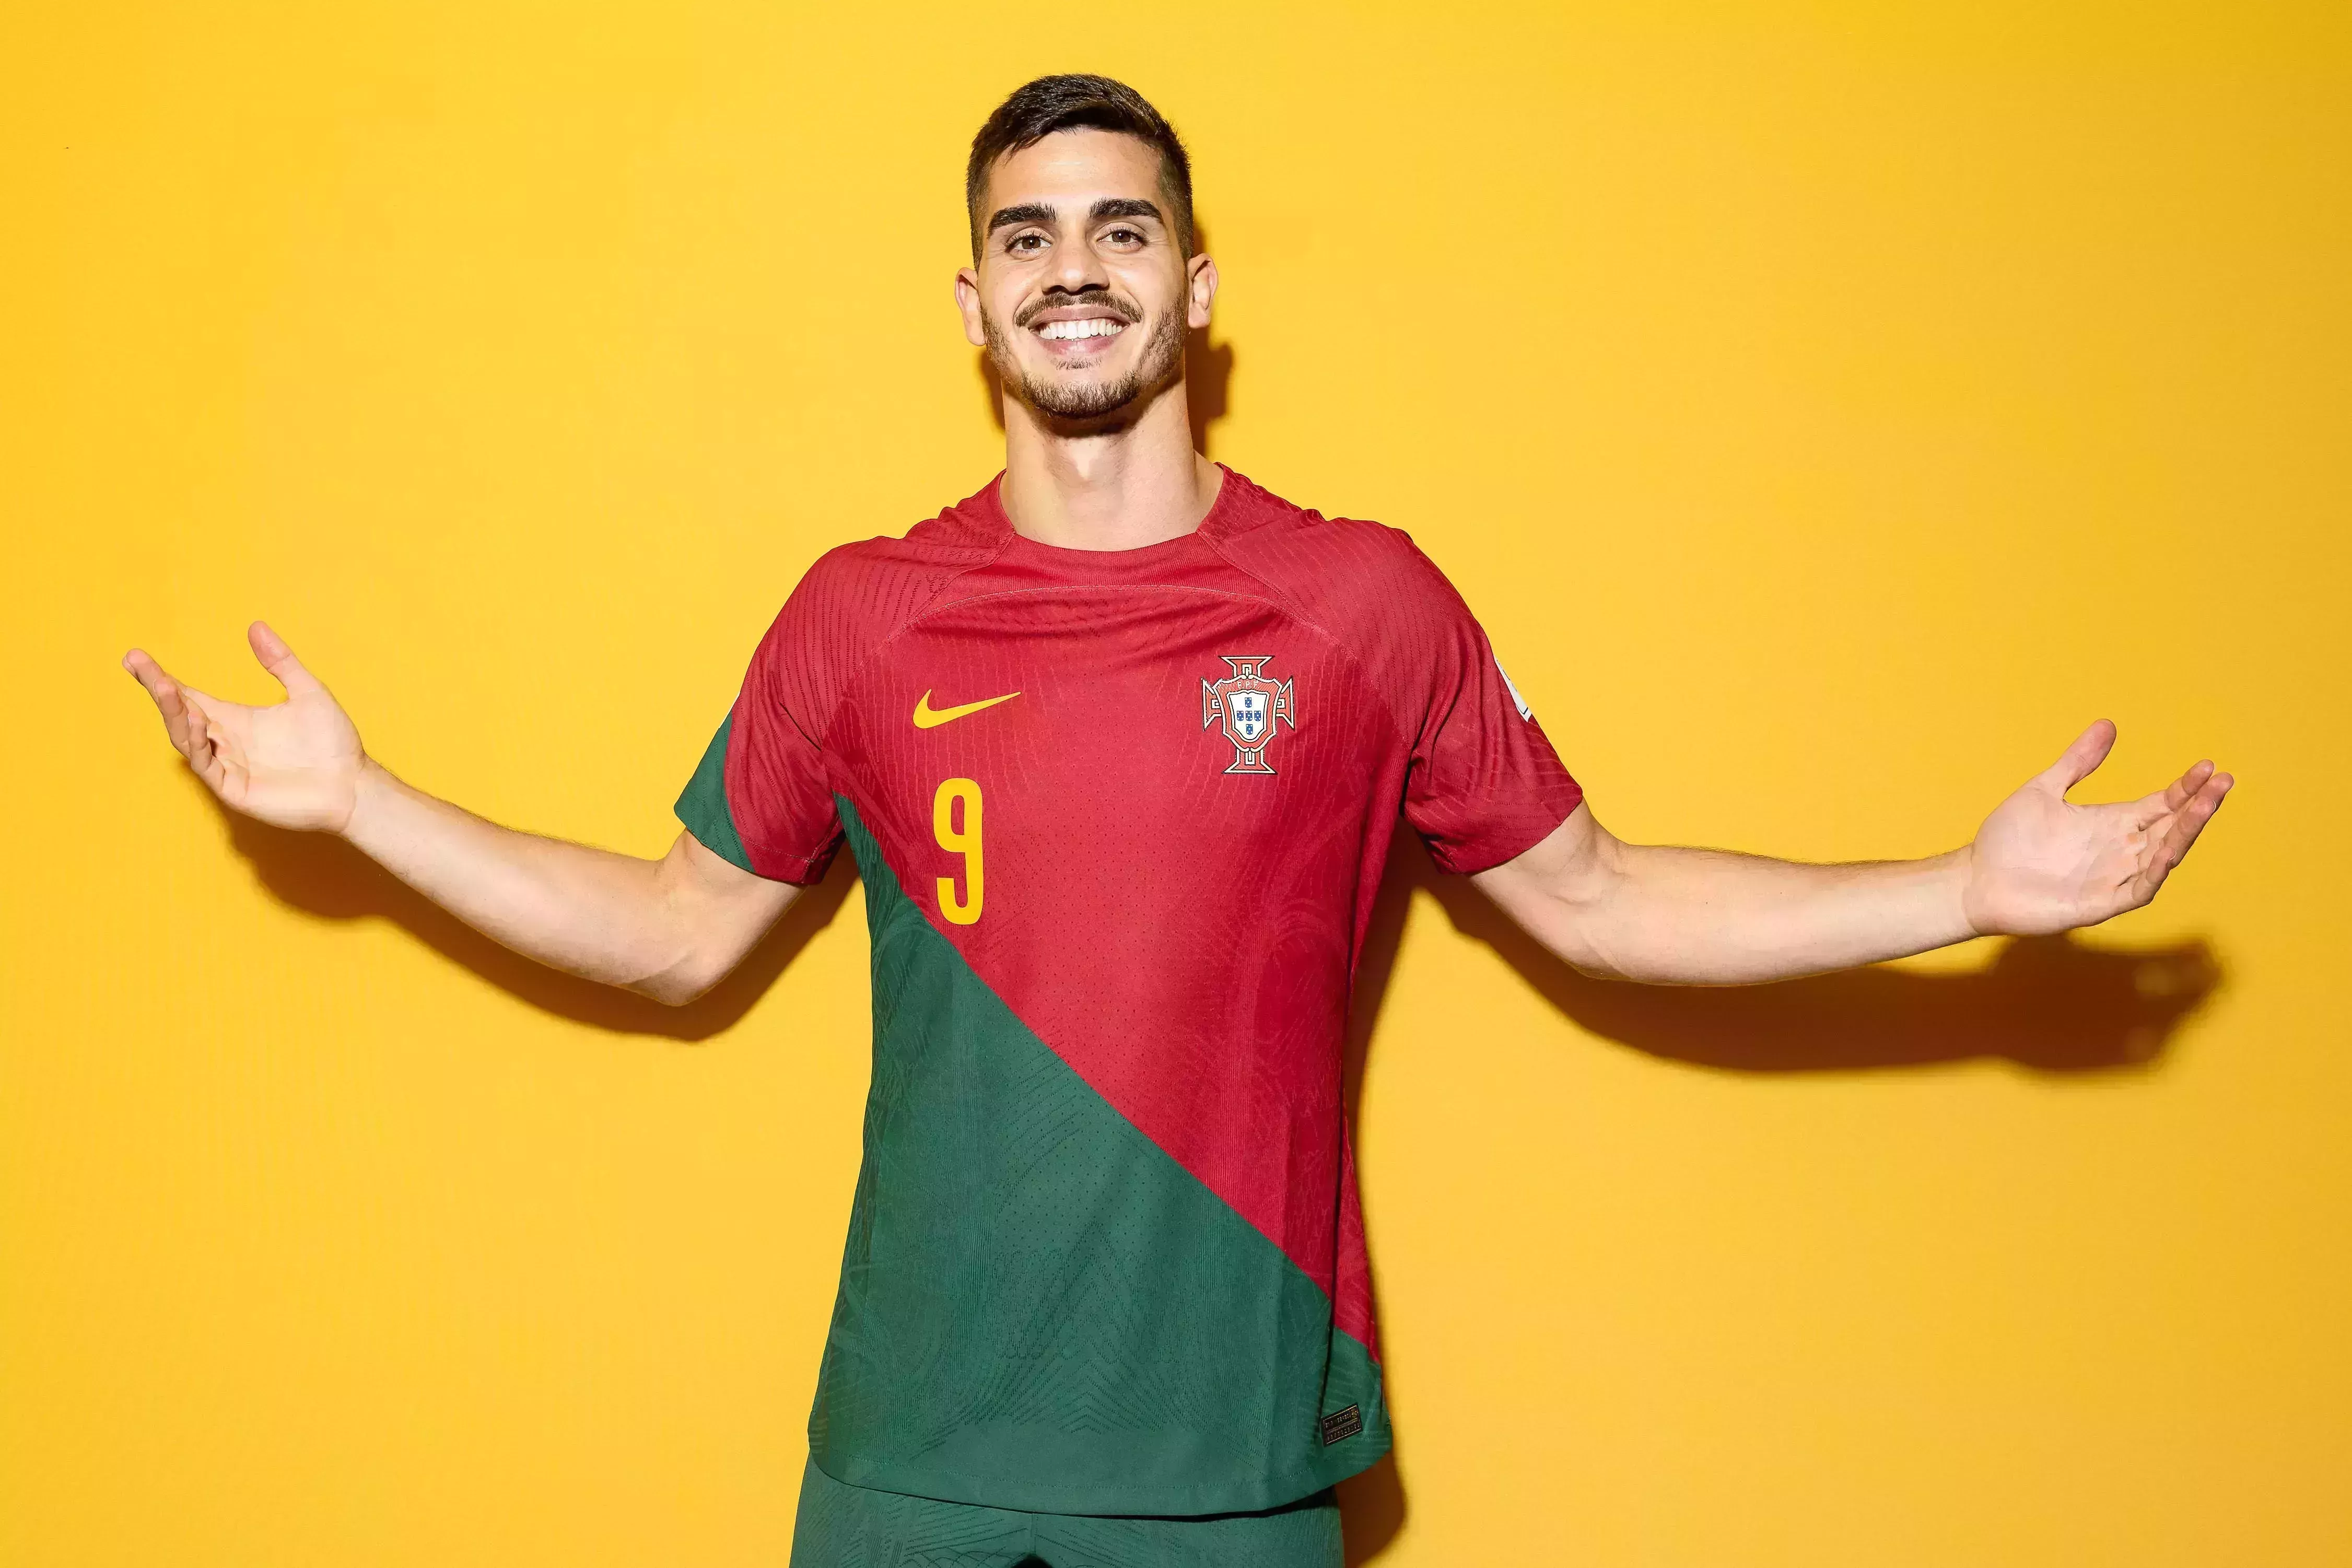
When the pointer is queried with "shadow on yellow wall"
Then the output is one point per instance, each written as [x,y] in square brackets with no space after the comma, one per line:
[2049,1004]
[327,878]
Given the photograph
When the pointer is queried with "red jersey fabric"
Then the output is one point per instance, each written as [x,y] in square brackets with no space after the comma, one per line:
[1179,767]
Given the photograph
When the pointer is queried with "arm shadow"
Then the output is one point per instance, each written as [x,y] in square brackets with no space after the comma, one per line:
[324,877]
[2048,1005]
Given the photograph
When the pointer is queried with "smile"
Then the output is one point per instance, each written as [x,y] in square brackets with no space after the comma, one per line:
[1092,327]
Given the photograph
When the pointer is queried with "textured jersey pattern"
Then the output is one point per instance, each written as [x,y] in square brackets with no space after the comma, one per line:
[1107,1256]
[1040,1308]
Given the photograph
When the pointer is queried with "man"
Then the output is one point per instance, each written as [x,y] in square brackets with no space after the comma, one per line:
[1119,744]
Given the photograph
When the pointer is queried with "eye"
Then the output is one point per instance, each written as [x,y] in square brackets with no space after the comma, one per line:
[1123,236]
[1024,245]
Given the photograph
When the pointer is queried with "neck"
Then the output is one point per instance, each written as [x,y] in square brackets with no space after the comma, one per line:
[1112,486]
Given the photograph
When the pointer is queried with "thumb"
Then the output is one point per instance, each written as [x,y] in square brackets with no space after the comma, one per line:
[280,660]
[2079,761]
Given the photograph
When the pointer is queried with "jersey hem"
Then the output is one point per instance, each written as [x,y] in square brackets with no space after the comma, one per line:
[1491,852]
[1289,1485]
[807,870]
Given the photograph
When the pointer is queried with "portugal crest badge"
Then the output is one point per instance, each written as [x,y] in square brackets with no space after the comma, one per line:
[1249,705]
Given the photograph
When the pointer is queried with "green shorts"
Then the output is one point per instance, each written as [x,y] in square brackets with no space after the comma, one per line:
[841,1526]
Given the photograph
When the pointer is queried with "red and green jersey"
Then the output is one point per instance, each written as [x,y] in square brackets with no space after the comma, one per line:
[1120,817]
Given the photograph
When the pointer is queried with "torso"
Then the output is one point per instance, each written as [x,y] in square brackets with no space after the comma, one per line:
[1106,1254]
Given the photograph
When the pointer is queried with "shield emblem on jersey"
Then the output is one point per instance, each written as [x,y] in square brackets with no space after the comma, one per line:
[1248,709]
[1246,704]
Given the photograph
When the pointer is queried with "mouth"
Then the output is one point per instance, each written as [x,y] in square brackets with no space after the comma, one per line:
[1077,332]
[1090,327]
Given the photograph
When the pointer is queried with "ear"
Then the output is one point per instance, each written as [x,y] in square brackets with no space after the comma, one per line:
[1200,285]
[967,293]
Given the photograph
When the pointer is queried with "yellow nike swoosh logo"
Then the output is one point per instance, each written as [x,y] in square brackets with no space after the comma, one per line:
[930,718]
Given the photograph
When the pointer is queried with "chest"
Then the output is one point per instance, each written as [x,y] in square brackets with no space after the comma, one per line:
[1030,753]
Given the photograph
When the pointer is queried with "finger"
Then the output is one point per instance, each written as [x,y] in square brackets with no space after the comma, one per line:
[203,755]
[2174,796]
[170,699]
[280,660]
[146,670]
[2076,763]
[2191,819]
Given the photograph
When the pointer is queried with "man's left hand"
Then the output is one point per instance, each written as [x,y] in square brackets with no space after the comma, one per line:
[2040,864]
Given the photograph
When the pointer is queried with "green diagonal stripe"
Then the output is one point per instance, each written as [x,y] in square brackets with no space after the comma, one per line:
[1039,1308]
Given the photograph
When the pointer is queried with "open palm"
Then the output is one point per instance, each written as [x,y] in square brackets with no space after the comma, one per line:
[295,763]
[2040,864]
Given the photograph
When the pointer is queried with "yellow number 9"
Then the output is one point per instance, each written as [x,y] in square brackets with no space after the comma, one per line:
[964,841]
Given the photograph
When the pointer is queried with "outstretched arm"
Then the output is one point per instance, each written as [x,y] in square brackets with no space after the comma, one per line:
[1703,917]
[669,928]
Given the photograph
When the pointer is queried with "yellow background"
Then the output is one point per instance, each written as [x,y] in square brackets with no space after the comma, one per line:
[1828,409]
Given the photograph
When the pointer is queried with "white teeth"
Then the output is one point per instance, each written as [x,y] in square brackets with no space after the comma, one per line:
[1093,327]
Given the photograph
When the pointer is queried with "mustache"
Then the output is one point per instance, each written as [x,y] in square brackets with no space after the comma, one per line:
[1125,310]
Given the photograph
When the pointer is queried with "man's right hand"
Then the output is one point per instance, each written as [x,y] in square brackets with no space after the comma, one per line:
[669,928]
[296,764]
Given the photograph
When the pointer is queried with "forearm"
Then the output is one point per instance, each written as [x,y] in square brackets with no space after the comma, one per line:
[594,914]
[1705,917]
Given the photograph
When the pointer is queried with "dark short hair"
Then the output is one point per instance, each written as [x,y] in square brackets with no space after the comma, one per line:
[1038,108]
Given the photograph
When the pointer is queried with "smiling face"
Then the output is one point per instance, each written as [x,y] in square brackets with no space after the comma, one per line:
[1082,293]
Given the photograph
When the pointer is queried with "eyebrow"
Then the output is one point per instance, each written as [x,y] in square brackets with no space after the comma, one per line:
[1027,212]
[1042,212]
[1125,206]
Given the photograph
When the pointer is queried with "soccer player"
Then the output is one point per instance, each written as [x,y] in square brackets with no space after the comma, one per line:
[1119,744]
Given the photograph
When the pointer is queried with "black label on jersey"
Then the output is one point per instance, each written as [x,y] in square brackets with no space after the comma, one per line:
[1342,1425]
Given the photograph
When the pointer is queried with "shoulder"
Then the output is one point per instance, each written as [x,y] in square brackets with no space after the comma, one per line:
[1349,575]
[859,594]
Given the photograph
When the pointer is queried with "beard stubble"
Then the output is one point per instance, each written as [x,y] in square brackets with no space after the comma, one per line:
[1163,355]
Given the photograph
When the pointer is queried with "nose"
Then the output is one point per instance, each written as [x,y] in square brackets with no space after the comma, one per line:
[1076,269]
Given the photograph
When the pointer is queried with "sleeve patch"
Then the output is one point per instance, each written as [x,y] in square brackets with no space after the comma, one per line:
[1517,701]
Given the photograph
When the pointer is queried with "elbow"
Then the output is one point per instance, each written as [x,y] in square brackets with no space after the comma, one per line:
[1598,951]
[1572,929]
[1592,967]
[671,993]
[1588,958]
[689,979]
[1583,919]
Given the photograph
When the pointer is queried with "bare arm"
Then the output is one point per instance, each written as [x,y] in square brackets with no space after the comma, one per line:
[1702,917]
[669,928]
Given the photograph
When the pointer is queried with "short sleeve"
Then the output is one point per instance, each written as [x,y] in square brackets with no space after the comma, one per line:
[1483,783]
[762,795]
